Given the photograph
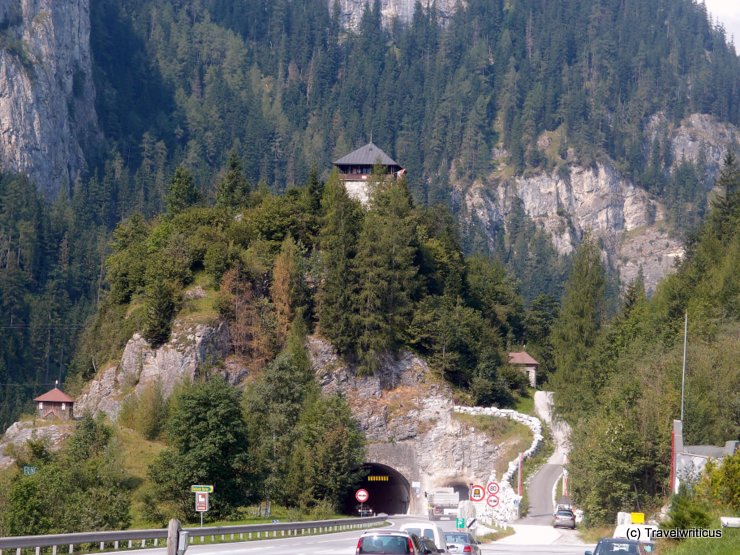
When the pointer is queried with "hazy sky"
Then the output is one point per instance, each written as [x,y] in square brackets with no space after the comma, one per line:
[728,12]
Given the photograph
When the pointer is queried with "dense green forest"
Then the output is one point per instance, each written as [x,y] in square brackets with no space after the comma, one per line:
[284,87]
[618,381]
[220,124]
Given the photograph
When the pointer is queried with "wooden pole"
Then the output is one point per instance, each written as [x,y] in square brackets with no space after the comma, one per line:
[173,532]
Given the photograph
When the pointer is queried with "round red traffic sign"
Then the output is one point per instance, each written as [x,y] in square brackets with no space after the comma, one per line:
[493,488]
[362,495]
[492,501]
[477,493]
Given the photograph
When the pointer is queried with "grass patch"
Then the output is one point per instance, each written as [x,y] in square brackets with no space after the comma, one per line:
[594,534]
[525,405]
[729,544]
[199,309]
[495,536]
[136,455]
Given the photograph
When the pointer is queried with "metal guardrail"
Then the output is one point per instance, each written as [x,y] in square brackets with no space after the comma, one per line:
[124,539]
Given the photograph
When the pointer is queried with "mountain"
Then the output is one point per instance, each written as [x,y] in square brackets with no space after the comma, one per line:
[536,122]
[47,117]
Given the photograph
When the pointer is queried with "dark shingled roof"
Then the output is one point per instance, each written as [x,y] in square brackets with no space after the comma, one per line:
[367,155]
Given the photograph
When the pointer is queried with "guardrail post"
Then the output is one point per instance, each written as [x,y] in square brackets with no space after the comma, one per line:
[173,534]
[71,548]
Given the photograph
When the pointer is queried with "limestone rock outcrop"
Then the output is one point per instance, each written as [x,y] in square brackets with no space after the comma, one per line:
[20,432]
[597,200]
[600,200]
[47,98]
[351,10]
[407,417]
[190,346]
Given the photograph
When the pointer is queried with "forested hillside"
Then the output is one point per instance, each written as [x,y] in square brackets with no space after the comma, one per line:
[618,382]
[286,88]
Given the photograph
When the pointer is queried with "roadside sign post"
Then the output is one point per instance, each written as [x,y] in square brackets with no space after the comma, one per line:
[201,499]
[362,496]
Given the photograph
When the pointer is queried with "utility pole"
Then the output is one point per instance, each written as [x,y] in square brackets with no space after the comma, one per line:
[683,372]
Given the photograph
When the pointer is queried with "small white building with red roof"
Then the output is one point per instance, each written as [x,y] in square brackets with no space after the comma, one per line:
[526,364]
[54,404]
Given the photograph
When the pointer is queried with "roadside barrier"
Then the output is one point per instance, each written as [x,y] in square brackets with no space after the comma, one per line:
[85,542]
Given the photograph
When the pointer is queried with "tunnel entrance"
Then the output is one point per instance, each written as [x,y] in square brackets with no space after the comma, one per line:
[389,491]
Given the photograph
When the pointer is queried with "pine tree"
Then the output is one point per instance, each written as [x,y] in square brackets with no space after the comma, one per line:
[161,307]
[385,262]
[338,244]
[182,192]
[233,189]
[288,290]
[577,328]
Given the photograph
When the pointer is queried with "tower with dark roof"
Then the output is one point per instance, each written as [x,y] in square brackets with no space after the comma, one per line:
[356,168]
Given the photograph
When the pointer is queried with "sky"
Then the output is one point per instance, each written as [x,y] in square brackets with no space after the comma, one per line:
[728,13]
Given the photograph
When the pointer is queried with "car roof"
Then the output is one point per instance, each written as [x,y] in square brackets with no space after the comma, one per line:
[385,533]
[619,540]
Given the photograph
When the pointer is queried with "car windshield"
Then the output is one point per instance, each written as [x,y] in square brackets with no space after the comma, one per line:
[623,548]
[425,533]
[565,513]
[457,538]
[384,544]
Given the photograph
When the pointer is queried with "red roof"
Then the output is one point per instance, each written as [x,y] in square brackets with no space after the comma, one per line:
[522,358]
[56,395]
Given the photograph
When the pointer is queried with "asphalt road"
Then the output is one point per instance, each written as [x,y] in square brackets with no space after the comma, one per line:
[345,543]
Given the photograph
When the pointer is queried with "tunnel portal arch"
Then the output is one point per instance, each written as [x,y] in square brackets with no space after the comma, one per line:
[389,490]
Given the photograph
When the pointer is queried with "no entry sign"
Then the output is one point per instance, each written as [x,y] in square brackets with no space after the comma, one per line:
[362,495]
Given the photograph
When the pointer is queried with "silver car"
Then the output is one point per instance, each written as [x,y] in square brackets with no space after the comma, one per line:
[462,542]
[564,518]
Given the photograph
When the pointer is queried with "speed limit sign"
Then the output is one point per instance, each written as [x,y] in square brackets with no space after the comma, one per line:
[493,488]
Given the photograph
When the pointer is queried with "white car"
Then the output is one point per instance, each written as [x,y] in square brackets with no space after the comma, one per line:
[427,530]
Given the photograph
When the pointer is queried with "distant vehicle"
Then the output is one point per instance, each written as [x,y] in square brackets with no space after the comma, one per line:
[462,542]
[365,511]
[443,503]
[607,546]
[387,542]
[564,518]
[427,530]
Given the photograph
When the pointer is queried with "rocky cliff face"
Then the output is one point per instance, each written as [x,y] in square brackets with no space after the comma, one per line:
[18,434]
[190,347]
[351,10]
[407,417]
[602,201]
[47,114]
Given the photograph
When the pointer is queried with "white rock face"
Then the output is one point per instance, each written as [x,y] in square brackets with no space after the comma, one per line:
[189,347]
[46,90]
[351,10]
[597,200]
[20,432]
[698,135]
